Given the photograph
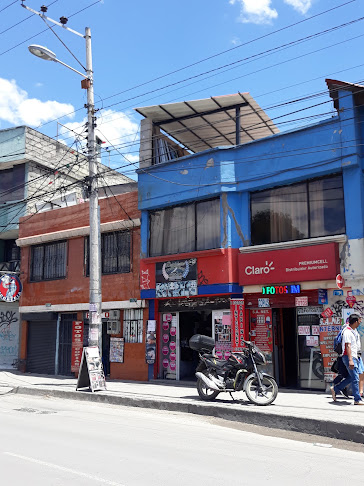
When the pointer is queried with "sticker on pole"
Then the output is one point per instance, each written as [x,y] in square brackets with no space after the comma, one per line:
[340,281]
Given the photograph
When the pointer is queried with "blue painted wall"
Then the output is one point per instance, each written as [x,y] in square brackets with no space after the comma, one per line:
[328,147]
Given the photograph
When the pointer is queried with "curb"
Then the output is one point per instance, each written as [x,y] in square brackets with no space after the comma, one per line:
[335,430]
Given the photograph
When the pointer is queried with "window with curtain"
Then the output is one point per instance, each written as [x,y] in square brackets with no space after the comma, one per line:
[115,252]
[133,325]
[48,261]
[304,210]
[187,228]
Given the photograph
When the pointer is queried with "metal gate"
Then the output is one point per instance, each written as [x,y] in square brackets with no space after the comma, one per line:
[41,347]
[65,344]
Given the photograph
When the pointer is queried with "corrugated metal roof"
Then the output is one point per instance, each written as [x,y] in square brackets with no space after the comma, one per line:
[211,122]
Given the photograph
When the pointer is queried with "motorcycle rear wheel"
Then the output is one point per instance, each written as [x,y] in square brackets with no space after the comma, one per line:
[205,392]
[264,395]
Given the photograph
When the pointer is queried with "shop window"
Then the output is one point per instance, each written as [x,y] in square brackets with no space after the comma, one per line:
[187,228]
[115,253]
[305,210]
[48,261]
[133,325]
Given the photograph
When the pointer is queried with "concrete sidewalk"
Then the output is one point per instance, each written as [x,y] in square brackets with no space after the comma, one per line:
[300,411]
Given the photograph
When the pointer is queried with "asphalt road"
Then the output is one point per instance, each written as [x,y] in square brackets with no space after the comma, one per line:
[57,442]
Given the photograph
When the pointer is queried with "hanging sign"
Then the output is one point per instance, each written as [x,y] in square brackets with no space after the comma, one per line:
[77,345]
[329,328]
[91,374]
[340,282]
[10,288]
[150,345]
[237,309]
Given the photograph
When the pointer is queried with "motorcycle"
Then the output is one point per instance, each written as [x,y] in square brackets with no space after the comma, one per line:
[238,373]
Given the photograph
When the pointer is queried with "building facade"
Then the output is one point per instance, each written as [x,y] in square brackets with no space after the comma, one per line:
[54,302]
[272,220]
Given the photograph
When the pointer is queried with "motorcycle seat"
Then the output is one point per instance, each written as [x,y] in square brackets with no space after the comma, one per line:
[217,363]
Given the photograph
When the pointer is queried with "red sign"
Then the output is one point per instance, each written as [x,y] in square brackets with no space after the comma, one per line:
[261,329]
[317,262]
[350,299]
[237,309]
[327,313]
[340,281]
[77,345]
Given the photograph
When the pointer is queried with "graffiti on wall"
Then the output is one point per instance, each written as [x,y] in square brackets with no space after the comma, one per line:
[9,337]
[358,307]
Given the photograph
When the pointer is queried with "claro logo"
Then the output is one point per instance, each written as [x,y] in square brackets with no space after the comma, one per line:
[251,270]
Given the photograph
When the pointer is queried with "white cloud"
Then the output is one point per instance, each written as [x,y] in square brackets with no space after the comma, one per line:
[16,108]
[256,11]
[302,6]
[118,130]
[235,41]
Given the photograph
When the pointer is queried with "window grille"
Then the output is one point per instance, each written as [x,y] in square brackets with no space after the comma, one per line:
[133,325]
[115,253]
[48,261]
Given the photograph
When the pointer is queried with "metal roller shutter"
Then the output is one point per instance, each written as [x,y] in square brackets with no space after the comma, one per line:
[41,347]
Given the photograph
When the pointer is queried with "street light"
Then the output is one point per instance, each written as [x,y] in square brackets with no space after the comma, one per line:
[95,250]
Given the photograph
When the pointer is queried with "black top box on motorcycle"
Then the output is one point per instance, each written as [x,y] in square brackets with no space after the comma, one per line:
[199,342]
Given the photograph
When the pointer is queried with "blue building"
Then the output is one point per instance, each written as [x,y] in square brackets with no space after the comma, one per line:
[233,209]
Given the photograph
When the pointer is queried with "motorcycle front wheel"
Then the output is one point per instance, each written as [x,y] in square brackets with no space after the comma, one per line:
[205,392]
[264,395]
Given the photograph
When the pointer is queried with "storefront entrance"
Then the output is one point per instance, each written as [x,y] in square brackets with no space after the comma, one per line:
[284,322]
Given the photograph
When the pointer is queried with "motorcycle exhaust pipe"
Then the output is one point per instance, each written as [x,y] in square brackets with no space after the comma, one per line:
[207,381]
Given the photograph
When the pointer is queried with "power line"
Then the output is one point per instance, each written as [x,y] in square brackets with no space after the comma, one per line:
[27,18]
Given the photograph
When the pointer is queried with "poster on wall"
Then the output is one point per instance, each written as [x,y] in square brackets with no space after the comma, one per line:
[116,350]
[77,345]
[329,328]
[177,278]
[169,345]
[9,335]
[150,342]
[221,320]
[237,309]
[261,330]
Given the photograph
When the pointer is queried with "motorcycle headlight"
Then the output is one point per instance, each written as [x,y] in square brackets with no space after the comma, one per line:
[259,356]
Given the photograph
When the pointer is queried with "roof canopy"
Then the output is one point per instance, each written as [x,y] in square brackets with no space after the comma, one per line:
[212,122]
[334,86]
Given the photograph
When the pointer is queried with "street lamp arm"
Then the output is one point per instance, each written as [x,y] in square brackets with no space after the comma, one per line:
[72,69]
[41,14]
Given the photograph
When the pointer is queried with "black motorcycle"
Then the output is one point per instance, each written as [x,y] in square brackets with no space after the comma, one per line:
[238,373]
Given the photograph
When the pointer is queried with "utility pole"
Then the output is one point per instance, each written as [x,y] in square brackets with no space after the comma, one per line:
[95,322]
[95,296]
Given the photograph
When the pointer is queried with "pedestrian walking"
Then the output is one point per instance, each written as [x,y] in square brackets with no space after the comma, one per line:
[342,373]
[350,358]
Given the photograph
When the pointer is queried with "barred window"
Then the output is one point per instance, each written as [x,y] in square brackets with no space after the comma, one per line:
[115,252]
[133,325]
[48,261]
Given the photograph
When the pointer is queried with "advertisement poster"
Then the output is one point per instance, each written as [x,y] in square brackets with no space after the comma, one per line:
[77,345]
[261,332]
[116,350]
[222,330]
[237,308]
[169,345]
[329,329]
[177,278]
[150,344]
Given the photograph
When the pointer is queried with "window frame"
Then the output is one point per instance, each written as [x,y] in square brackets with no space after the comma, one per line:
[194,204]
[44,246]
[103,236]
[138,322]
[309,204]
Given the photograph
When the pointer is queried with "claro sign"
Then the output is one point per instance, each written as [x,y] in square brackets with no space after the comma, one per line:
[318,262]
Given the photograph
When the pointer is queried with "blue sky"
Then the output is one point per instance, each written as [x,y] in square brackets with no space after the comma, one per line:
[136,42]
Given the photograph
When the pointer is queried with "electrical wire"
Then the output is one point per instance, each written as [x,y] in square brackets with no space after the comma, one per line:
[21,21]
